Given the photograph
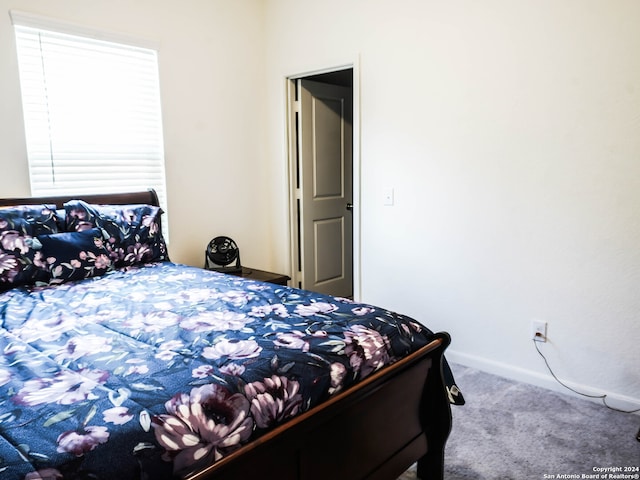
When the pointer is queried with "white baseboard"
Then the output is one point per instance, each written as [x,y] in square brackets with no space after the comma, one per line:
[621,402]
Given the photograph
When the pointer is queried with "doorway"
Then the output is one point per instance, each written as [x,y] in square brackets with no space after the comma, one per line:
[322,209]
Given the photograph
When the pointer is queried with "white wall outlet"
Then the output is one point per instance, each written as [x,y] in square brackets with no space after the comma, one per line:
[539,330]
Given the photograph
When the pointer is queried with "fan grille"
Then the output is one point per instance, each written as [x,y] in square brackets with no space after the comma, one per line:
[222,251]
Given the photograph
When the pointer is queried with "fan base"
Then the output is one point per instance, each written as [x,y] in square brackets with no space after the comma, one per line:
[230,269]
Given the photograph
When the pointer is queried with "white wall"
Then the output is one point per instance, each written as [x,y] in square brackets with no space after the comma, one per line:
[511,134]
[211,58]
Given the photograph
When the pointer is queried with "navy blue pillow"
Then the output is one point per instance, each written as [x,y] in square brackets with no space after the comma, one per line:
[75,255]
[30,219]
[134,230]
[20,263]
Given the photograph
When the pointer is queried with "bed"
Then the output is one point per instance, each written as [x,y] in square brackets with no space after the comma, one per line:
[120,364]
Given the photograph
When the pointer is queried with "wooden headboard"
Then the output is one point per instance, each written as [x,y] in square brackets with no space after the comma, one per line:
[147,197]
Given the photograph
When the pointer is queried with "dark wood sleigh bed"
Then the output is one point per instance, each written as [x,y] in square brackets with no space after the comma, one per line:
[374,429]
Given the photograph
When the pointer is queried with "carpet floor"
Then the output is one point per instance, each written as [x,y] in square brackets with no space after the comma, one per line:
[512,430]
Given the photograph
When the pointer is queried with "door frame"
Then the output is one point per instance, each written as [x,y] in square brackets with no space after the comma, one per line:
[289,83]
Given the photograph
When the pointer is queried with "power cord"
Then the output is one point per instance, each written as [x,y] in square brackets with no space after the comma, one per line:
[602,397]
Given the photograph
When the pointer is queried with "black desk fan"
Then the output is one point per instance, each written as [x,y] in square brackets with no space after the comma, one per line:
[220,254]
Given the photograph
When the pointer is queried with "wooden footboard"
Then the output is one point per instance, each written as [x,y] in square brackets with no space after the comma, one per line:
[374,430]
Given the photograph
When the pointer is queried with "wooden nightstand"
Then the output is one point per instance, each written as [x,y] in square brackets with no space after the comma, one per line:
[261,275]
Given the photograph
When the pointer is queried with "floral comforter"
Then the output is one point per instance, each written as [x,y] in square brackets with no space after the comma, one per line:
[149,371]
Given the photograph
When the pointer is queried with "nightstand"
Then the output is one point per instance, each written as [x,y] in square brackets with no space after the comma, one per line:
[261,275]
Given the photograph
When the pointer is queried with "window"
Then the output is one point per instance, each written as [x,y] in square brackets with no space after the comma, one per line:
[92,112]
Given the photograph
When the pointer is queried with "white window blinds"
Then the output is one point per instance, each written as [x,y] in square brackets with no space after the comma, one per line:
[92,113]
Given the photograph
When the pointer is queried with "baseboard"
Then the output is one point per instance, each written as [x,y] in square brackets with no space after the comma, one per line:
[621,402]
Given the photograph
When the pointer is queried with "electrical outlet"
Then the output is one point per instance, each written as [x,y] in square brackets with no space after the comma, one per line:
[539,330]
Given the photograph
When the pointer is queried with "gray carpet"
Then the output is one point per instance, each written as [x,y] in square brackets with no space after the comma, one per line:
[511,430]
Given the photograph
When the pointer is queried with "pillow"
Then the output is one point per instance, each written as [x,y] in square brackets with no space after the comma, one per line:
[134,230]
[20,264]
[74,255]
[60,220]
[30,219]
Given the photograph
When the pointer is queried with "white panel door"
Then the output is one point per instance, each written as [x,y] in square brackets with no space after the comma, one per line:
[326,224]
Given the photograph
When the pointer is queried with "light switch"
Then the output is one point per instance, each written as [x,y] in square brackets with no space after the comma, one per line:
[388,196]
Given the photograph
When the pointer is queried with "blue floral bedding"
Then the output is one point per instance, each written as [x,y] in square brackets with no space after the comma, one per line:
[147,371]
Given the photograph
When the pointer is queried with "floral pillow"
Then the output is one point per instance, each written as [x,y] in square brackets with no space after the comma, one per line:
[60,219]
[30,219]
[20,263]
[72,256]
[133,230]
